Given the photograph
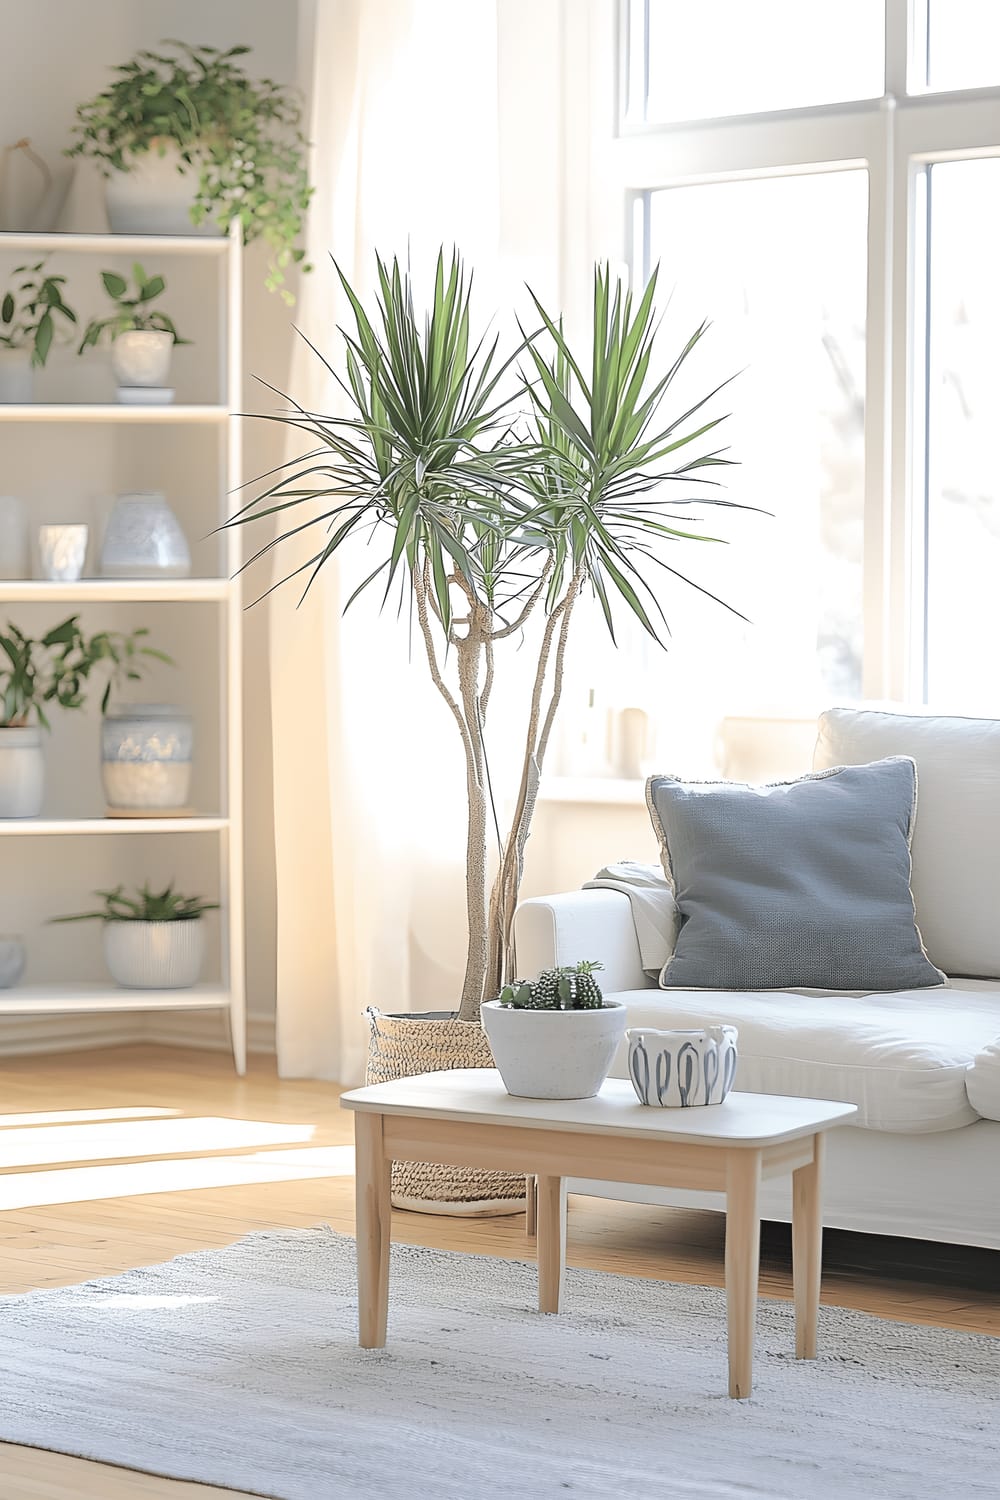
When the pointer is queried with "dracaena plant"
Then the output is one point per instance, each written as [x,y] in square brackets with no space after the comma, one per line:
[146,905]
[504,490]
[60,667]
[133,309]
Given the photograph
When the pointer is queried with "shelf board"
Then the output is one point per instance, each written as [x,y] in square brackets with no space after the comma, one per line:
[62,827]
[119,244]
[113,590]
[104,995]
[111,411]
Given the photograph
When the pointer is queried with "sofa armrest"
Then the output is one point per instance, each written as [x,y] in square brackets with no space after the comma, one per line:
[551,930]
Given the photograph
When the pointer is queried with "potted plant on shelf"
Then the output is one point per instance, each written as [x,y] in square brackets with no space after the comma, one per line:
[498,524]
[555,1037]
[30,310]
[152,940]
[189,142]
[142,336]
[57,668]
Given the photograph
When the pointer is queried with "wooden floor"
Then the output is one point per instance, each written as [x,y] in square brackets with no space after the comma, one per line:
[131,1156]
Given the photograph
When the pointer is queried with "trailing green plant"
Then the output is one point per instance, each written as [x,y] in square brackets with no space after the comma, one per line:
[568,987]
[241,136]
[146,905]
[500,498]
[131,311]
[30,310]
[59,667]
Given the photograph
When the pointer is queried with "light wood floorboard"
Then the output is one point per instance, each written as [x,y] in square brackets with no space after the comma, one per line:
[130,1211]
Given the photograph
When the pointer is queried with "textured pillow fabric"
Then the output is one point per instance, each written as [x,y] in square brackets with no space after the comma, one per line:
[798,885]
[956,841]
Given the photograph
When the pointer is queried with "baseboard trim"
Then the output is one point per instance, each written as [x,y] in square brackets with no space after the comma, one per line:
[208,1031]
[205,1030]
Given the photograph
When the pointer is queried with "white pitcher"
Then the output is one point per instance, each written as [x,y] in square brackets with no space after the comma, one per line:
[676,1069]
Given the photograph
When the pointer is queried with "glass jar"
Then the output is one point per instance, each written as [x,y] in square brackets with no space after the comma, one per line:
[146,755]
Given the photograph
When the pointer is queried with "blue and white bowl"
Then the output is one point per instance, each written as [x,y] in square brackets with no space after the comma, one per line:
[677,1069]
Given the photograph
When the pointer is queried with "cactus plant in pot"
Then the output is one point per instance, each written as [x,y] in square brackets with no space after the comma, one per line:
[554,1037]
[505,490]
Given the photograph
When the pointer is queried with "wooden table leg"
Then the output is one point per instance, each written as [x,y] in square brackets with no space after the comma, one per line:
[531,1205]
[742,1265]
[807,1249]
[551,1242]
[373,1176]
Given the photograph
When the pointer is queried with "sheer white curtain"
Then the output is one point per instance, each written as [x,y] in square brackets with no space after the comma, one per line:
[369,795]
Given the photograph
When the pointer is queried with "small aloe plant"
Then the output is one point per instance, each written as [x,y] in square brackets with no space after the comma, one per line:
[146,906]
[569,987]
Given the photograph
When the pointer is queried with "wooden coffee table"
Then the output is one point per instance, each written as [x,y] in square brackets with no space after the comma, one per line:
[466,1118]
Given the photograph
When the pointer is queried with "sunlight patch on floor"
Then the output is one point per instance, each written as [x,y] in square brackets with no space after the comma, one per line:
[70,1116]
[31,1147]
[134,1179]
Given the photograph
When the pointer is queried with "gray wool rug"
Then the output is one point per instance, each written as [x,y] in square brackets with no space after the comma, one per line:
[239,1367]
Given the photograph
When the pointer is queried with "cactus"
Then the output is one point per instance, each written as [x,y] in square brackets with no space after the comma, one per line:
[569,987]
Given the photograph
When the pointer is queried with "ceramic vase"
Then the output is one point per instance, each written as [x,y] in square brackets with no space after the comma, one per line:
[146,756]
[14,554]
[12,959]
[155,955]
[22,772]
[553,1054]
[144,539]
[62,550]
[141,357]
[676,1069]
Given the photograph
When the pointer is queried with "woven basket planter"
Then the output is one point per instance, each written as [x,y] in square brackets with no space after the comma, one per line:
[402,1046]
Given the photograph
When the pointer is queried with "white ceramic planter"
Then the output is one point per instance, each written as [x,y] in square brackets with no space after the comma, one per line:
[141,356]
[155,955]
[676,1069]
[17,378]
[154,197]
[22,772]
[553,1054]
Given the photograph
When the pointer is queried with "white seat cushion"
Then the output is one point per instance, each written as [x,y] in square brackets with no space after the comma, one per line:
[901,1058]
[956,838]
[983,1082]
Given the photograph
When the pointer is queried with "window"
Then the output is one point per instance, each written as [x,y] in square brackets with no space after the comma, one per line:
[822,182]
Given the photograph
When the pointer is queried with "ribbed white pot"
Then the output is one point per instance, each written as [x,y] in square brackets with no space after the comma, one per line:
[17,378]
[22,773]
[155,955]
[155,197]
[141,356]
[553,1054]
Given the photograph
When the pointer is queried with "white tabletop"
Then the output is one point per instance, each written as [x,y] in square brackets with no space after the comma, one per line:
[478,1095]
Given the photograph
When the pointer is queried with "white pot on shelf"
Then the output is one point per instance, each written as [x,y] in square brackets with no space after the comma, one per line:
[155,196]
[17,378]
[15,558]
[141,356]
[22,772]
[155,955]
[553,1054]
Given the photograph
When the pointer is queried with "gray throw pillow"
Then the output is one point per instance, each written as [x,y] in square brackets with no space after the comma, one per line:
[798,885]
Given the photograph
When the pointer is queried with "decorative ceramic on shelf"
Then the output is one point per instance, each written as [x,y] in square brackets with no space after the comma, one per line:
[14,556]
[62,550]
[676,1069]
[146,755]
[17,378]
[22,771]
[12,960]
[144,539]
[155,955]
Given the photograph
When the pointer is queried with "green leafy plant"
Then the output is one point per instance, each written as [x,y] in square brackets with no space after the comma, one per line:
[131,311]
[146,905]
[500,499]
[241,136]
[569,987]
[58,668]
[30,310]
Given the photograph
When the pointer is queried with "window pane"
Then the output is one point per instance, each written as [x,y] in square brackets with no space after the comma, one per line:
[731,57]
[963,384]
[963,44]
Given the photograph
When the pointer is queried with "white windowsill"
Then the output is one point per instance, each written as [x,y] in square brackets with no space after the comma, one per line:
[608,790]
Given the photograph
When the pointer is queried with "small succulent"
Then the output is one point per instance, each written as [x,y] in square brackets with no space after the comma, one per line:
[146,906]
[569,987]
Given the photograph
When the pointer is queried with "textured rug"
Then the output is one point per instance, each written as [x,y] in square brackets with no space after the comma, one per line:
[239,1367]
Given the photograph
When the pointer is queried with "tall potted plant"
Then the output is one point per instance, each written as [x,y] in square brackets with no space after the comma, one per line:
[502,498]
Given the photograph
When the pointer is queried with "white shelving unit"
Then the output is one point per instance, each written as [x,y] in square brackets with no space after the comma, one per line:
[220,593]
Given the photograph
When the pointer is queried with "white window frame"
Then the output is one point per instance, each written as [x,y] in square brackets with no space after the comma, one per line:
[612,163]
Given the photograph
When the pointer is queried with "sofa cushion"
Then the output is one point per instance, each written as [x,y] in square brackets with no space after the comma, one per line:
[802,884]
[901,1058]
[956,840]
[983,1081]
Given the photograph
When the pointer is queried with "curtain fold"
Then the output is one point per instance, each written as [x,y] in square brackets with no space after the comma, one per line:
[368,786]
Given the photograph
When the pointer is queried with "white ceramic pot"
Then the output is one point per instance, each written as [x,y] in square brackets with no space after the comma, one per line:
[553,1054]
[155,196]
[676,1069]
[63,551]
[22,772]
[17,378]
[143,539]
[12,960]
[155,955]
[141,356]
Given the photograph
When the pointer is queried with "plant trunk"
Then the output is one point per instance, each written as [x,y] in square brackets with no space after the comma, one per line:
[470,652]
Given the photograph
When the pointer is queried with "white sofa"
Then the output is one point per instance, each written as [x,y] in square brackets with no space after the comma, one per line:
[923,1066]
